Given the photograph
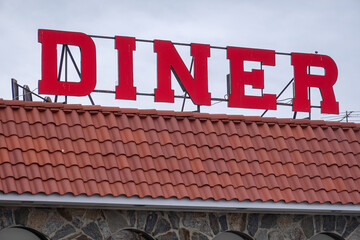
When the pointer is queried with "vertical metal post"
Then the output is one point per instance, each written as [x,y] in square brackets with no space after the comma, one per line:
[294,116]
[15,89]
[27,95]
[228,81]
[309,93]
[346,116]
[295,113]
[66,73]
[261,68]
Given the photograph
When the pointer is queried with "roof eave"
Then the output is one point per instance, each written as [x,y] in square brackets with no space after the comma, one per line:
[173,204]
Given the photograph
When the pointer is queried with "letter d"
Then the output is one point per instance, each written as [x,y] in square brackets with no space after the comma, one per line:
[49,83]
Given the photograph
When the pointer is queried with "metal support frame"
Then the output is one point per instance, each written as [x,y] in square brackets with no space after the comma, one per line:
[186,94]
[66,51]
[347,115]
[27,93]
[290,104]
[281,92]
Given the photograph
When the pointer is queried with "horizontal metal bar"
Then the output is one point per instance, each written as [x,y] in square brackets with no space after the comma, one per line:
[103,37]
[182,44]
[152,95]
[175,43]
[103,91]
[281,53]
[290,105]
[179,44]
[188,97]
[146,94]
[144,40]
[219,99]
[217,47]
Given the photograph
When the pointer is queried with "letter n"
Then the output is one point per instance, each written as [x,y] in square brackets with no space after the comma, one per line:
[169,60]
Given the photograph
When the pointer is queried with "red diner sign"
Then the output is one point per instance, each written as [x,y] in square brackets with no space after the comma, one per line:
[168,60]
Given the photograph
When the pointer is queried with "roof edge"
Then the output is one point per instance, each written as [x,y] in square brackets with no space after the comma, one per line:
[173,204]
[153,112]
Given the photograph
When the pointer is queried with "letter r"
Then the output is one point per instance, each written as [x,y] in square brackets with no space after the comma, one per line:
[303,81]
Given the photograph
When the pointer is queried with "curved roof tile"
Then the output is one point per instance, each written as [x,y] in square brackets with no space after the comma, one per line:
[92,150]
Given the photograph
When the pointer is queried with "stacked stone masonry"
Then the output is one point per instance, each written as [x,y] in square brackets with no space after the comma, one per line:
[86,224]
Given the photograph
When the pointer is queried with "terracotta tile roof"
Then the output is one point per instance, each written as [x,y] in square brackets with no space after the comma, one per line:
[92,150]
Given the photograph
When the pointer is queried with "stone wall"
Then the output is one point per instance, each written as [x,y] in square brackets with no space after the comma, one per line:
[82,224]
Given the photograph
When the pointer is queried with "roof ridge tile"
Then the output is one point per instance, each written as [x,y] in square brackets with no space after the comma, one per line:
[163,112]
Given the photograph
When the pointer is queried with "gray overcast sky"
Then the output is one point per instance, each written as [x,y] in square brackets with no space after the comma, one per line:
[330,27]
